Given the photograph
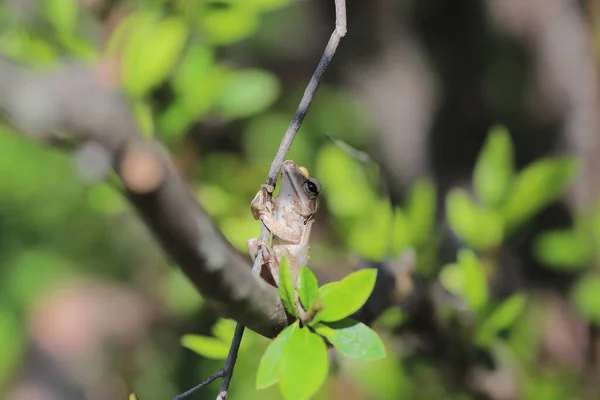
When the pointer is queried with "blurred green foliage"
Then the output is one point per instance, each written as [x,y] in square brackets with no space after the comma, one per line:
[172,67]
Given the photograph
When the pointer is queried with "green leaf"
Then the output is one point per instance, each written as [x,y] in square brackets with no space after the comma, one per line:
[402,237]
[286,287]
[198,83]
[12,340]
[143,116]
[349,192]
[353,339]
[564,249]
[345,297]
[152,49]
[377,223]
[268,369]
[585,297]
[224,329]
[538,185]
[206,346]
[480,228]
[225,26]
[494,168]
[420,210]
[466,279]
[62,14]
[248,92]
[308,287]
[304,365]
[501,318]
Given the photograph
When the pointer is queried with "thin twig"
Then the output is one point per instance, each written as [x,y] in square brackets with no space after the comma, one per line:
[199,386]
[307,99]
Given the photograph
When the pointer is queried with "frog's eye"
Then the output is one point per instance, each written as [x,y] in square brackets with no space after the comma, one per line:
[312,188]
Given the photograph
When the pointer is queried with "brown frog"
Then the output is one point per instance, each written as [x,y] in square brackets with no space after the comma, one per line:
[289,218]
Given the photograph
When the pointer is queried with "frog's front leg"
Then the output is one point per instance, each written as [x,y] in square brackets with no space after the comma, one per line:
[262,209]
[269,263]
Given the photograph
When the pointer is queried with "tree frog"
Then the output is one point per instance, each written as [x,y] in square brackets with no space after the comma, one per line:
[289,218]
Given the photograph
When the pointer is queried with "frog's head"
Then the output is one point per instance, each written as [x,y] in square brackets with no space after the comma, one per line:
[298,189]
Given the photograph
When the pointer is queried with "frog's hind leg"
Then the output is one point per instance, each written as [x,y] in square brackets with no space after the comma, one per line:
[269,260]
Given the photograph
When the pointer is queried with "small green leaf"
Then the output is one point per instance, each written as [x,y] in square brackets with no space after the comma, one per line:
[206,346]
[480,228]
[390,318]
[501,318]
[308,287]
[402,237]
[420,210]
[248,92]
[133,396]
[62,14]
[143,116]
[224,329]
[152,49]
[466,279]
[494,168]
[534,188]
[349,192]
[227,25]
[564,249]
[286,287]
[353,339]
[585,297]
[304,365]
[268,369]
[378,223]
[345,297]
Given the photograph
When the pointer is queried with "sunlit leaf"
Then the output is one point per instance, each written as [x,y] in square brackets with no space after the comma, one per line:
[152,49]
[224,329]
[466,278]
[248,92]
[390,318]
[420,210]
[585,296]
[402,237]
[368,236]
[494,168]
[349,193]
[269,5]
[534,188]
[308,287]
[478,227]
[143,116]
[225,26]
[345,297]
[206,346]
[304,365]
[12,340]
[268,369]
[62,14]
[501,318]
[353,339]
[286,287]
[564,249]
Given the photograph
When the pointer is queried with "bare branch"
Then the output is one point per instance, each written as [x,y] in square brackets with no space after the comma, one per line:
[73,99]
[309,94]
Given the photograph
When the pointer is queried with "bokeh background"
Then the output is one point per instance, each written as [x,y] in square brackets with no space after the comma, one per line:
[497,289]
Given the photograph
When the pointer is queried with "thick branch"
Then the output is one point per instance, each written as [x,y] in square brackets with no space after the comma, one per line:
[76,101]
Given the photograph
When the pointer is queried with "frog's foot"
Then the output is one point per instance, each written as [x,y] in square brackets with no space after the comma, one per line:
[269,188]
[255,247]
[262,204]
